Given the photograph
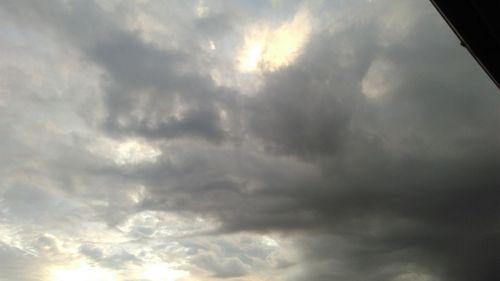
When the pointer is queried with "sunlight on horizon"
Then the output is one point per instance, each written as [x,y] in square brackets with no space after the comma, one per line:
[162,272]
[83,272]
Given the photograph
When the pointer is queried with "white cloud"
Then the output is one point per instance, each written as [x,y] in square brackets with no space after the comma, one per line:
[129,151]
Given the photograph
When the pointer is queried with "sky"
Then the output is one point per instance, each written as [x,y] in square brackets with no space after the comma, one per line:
[249,140]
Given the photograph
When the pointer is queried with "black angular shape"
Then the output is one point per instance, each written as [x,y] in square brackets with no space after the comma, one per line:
[477,25]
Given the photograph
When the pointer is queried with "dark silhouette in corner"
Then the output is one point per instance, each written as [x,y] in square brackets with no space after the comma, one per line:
[477,25]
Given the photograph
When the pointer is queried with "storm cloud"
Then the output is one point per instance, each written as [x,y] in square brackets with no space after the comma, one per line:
[136,147]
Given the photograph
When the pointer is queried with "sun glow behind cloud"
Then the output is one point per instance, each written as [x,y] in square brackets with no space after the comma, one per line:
[83,272]
[268,48]
[162,272]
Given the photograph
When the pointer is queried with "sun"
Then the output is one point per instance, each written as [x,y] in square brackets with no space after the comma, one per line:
[251,56]
[82,272]
[268,48]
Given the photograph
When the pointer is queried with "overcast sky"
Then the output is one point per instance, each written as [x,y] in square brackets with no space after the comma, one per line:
[280,140]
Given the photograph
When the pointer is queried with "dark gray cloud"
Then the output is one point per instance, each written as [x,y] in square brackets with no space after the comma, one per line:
[375,152]
[306,109]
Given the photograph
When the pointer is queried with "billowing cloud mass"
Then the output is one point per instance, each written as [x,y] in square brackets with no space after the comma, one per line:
[244,140]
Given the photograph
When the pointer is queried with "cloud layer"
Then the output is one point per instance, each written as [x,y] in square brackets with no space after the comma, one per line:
[361,144]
